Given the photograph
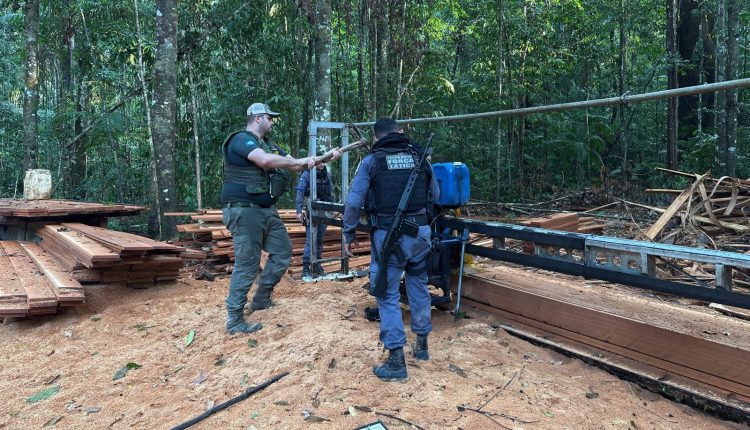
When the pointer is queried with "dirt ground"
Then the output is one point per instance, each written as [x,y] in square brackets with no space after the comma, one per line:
[316,333]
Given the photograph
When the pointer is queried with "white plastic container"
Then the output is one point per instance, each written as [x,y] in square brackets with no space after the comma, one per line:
[37,184]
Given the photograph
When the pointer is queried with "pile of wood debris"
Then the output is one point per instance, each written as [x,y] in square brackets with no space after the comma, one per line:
[709,213]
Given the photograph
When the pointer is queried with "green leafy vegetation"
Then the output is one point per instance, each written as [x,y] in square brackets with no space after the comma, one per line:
[435,58]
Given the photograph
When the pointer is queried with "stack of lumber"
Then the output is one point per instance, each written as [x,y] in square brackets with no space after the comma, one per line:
[560,221]
[331,248]
[32,282]
[13,208]
[207,238]
[207,234]
[567,222]
[98,255]
[564,221]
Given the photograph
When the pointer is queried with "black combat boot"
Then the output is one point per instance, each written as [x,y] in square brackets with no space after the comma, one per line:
[236,323]
[318,270]
[394,369]
[262,299]
[420,348]
[306,270]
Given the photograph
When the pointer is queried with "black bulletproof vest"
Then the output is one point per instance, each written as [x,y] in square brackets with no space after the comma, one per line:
[322,187]
[253,177]
[395,163]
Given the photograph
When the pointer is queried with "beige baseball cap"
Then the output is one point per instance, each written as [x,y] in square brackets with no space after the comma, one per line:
[260,108]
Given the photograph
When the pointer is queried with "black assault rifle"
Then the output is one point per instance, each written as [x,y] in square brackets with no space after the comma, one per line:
[399,227]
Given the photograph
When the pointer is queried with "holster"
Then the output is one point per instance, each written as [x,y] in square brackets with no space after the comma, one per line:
[278,180]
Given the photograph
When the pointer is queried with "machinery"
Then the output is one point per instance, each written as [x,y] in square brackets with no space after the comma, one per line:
[611,259]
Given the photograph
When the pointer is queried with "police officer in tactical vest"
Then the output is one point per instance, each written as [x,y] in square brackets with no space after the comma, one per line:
[379,182]
[255,176]
[324,192]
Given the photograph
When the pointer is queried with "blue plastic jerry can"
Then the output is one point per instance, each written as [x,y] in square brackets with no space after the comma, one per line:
[453,181]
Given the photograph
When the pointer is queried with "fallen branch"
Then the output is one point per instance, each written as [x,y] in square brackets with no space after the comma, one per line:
[599,208]
[399,419]
[496,414]
[499,391]
[676,172]
[486,414]
[651,208]
[249,392]
[731,312]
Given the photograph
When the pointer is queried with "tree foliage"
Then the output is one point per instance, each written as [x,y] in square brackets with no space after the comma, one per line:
[408,59]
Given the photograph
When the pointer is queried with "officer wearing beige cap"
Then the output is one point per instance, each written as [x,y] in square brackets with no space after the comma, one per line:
[256,174]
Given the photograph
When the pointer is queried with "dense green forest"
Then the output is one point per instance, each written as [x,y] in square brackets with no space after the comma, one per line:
[130,101]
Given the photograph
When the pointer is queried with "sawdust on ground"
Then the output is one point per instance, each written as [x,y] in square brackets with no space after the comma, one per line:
[317,334]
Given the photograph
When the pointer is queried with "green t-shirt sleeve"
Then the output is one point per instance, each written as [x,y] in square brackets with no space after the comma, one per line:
[242,145]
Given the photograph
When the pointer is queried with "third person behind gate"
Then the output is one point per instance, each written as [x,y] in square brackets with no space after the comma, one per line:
[324,192]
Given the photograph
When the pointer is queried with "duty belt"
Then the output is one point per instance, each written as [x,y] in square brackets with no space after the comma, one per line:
[243,205]
[384,222]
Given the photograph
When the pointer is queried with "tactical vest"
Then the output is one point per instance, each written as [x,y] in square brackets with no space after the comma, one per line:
[394,165]
[322,187]
[255,179]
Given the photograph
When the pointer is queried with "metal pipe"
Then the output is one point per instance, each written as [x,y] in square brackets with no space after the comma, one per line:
[623,99]
[344,194]
[464,239]
[312,228]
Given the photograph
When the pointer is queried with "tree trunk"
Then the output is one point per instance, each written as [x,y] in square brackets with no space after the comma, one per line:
[63,126]
[401,88]
[77,164]
[384,43]
[156,213]
[688,32]
[721,66]
[374,66]
[322,104]
[672,103]
[165,112]
[731,96]
[621,85]
[522,102]
[196,140]
[499,79]
[31,92]
[701,78]
[362,105]
[709,68]
[306,93]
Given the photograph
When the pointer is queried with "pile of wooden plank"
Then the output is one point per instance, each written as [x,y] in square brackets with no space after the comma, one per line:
[331,248]
[564,221]
[13,208]
[98,255]
[567,222]
[207,234]
[32,282]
